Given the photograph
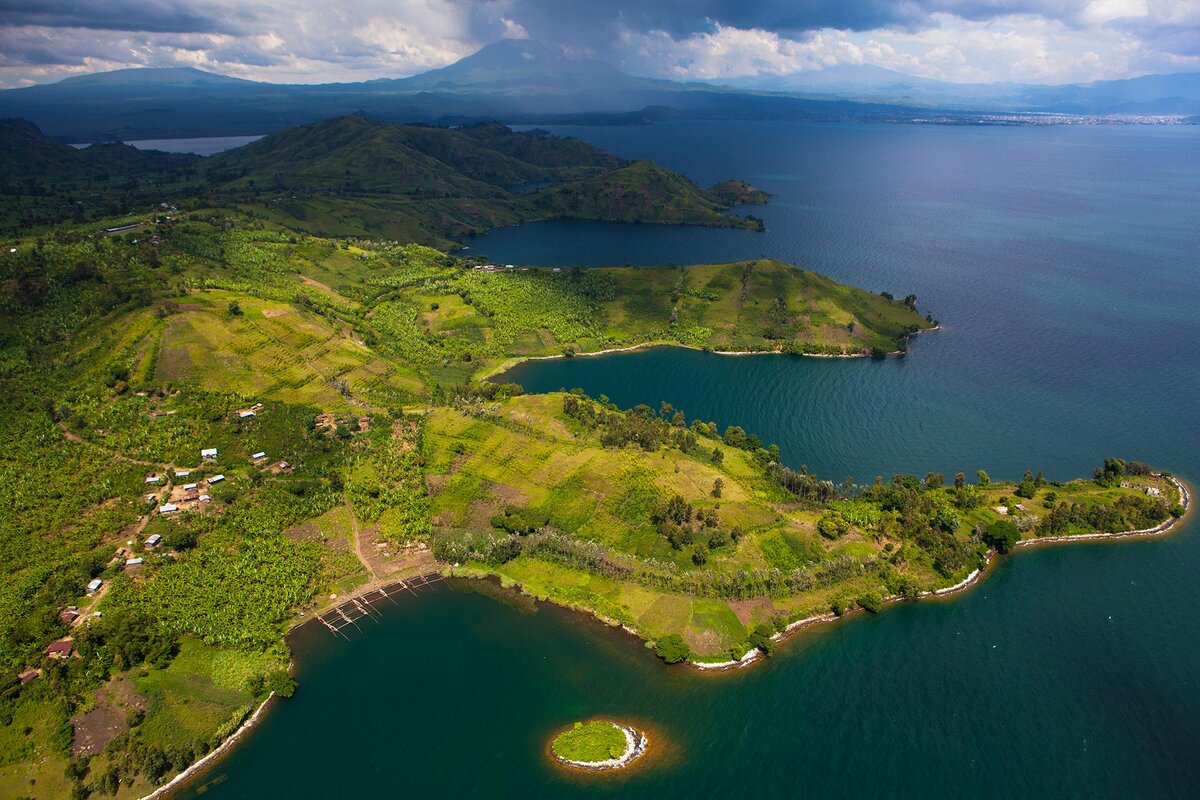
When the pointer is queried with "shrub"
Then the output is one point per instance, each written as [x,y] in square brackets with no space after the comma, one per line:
[833,526]
[760,637]
[871,601]
[672,649]
[1001,535]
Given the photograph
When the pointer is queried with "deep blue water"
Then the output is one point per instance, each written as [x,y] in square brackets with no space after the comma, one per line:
[1063,264]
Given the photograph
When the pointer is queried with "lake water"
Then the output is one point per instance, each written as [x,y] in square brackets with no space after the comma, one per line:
[1063,263]
[201,146]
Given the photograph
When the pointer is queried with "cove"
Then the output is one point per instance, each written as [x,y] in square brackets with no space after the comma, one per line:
[454,691]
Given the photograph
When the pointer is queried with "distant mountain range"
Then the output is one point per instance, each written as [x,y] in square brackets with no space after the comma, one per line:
[1177,94]
[522,81]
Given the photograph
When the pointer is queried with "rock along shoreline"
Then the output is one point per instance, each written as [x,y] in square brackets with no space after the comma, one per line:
[636,743]
[754,655]
[218,751]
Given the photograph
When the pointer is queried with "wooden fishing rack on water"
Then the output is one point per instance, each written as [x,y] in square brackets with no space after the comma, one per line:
[359,608]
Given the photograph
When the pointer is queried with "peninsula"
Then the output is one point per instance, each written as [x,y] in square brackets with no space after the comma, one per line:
[237,425]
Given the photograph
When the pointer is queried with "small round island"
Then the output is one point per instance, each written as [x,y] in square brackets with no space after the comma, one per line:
[598,746]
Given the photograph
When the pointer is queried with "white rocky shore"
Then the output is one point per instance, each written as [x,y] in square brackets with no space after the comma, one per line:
[635,747]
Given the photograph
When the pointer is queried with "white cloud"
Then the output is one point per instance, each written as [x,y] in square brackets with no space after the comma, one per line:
[1020,47]
[349,40]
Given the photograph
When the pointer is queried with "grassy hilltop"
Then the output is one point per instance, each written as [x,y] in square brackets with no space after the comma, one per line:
[353,367]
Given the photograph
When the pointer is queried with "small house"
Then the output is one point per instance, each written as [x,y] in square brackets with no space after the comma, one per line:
[205,498]
[60,649]
[150,498]
[68,616]
[215,479]
[28,675]
[167,508]
[153,539]
[245,414]
[1152,491]
[153,477]
[191,497]
[94,585]
[133,562]
[259,456]
[208,452]
[187,487]
[182,473]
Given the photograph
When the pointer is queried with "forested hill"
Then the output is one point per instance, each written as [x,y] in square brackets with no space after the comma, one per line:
[27,154]
[353,176]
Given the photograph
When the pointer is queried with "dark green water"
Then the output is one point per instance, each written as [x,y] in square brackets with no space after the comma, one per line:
[1064,265]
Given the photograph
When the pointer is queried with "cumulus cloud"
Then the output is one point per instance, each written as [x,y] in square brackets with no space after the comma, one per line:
[307,41]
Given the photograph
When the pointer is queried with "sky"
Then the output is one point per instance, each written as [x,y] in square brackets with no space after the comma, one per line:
[302,41]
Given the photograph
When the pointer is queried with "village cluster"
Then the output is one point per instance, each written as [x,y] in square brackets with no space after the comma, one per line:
[187,489]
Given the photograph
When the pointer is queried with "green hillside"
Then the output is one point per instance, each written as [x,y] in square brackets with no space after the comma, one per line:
[339,384]
[353,176]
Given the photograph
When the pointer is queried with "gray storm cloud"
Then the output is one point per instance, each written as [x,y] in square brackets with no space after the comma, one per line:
[302,40]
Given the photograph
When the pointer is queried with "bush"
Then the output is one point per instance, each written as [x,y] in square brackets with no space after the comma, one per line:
[833,526]
[871,601]
[672,649]
[281,683]
[1001,535]
[760,637]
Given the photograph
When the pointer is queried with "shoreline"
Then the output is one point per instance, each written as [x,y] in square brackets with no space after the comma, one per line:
[636,743]
[754,655]
[231,740]
[512,363]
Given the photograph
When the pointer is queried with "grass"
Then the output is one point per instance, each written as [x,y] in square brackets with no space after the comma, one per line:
[590,742]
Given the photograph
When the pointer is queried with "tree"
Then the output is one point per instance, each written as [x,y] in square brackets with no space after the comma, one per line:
[983,478]
[833,526]
[1025,489]
[871,601]
[934,480]
[735,436]
[1002,535]
[760,637]
[672,648]
[960,480]
[235,310]
[718,456]
[718,485]
[281,683]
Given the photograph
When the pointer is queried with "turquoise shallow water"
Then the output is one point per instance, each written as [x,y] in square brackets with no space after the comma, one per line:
[1063,263]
